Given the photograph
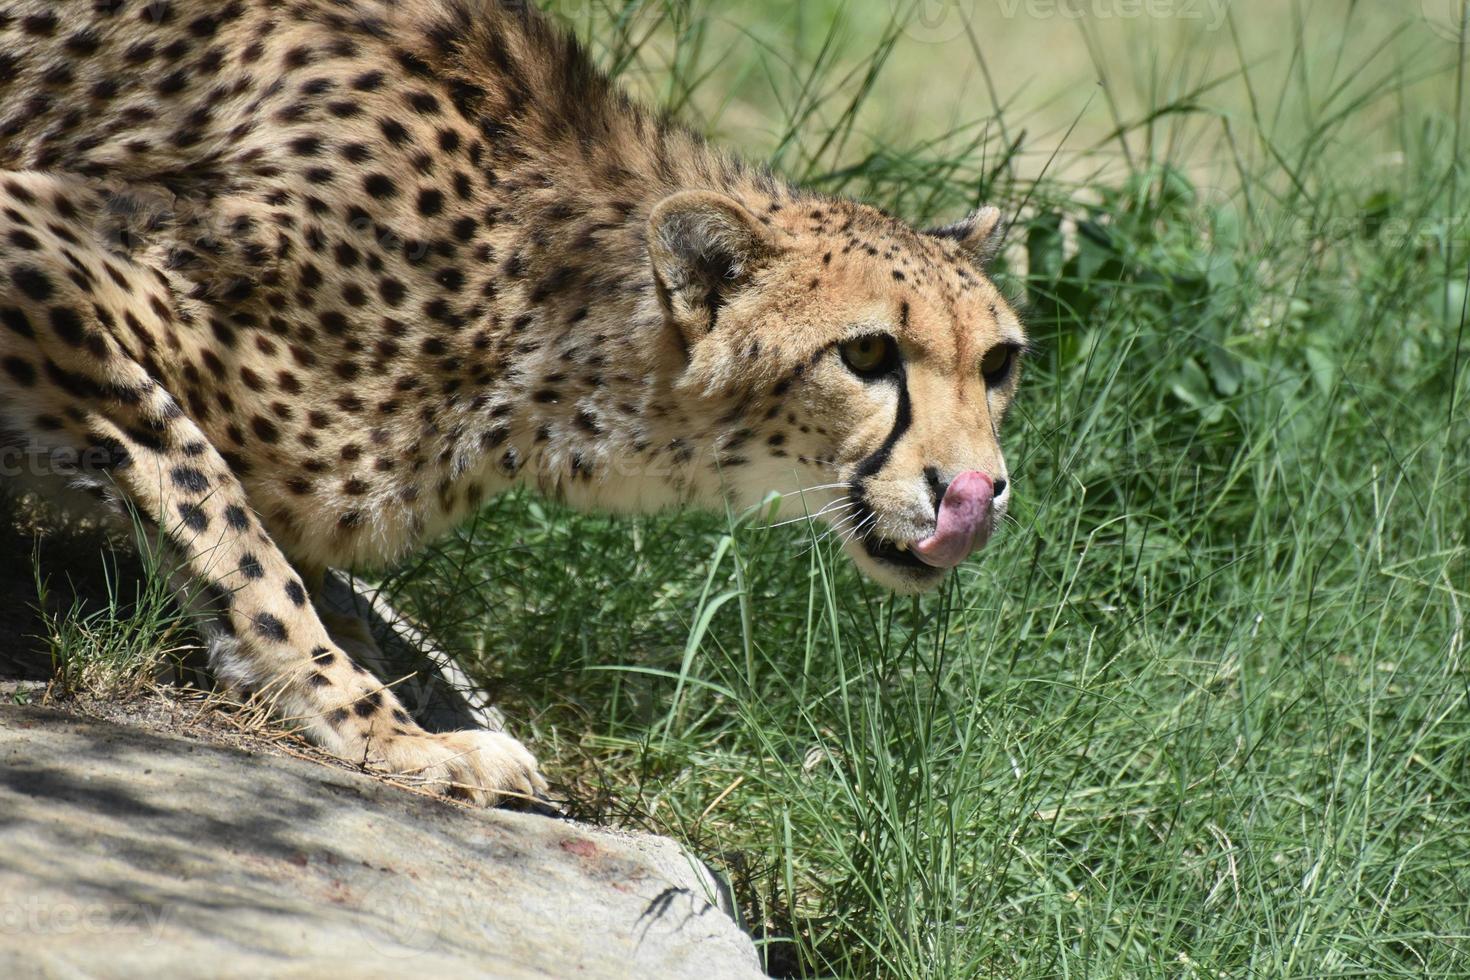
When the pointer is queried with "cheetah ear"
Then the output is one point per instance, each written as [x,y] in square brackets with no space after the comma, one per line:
[705,247]
[980,236]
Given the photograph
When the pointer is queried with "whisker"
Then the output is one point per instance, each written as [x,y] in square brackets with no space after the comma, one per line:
[843,484]
[834,529]
[836,506]
[862,528]
[839,532]
[837,526]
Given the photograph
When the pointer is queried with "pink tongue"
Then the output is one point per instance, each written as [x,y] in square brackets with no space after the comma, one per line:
[964,521]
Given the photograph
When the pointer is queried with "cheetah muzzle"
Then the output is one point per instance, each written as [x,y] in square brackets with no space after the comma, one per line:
[304,284]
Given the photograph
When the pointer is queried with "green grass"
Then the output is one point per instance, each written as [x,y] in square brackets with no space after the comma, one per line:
[1201,709]
[120,644]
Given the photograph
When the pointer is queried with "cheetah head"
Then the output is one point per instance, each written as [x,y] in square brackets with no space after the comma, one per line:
[875,363]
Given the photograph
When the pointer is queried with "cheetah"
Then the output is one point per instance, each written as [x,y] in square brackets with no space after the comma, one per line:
[304,282]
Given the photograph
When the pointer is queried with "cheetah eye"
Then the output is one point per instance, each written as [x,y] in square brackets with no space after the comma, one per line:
[996,365]
[870,357]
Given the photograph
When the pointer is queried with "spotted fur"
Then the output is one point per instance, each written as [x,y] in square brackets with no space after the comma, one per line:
[306,281]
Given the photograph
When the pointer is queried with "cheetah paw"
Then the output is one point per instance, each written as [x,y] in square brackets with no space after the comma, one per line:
[485,768]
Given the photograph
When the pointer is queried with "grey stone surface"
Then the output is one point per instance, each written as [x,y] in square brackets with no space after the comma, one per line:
[128,853]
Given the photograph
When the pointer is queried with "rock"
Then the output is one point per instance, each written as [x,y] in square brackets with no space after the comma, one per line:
[130,853]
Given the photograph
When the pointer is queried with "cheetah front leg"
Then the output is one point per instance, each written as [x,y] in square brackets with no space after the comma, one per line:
[350,633]
[282,651]
[74,394]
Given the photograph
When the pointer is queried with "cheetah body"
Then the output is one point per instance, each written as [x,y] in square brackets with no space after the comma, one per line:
[307,281]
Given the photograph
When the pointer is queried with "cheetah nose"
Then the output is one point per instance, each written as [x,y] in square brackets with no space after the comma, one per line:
[964,521]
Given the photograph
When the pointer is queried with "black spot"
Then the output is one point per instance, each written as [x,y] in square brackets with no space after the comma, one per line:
[84,43]
[380,186]
[464,229]
[369,81]
[347,256]
[334,323]
[68,325]
[236,517]
[204,26]
[174,83]
[414,65]
[194,517]
[139,437]
[189,479]
[270,627]
[306,146]
[395,131]
[265,429]
[423,103]
[41,25]
[114,455]
[368,704]
[298,57]
[33,282]
[440,311]
[20,370]
[15,320]
[392,291]
[295,593]
[140,53]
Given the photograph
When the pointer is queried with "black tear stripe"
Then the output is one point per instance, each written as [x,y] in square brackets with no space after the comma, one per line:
[902,420]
